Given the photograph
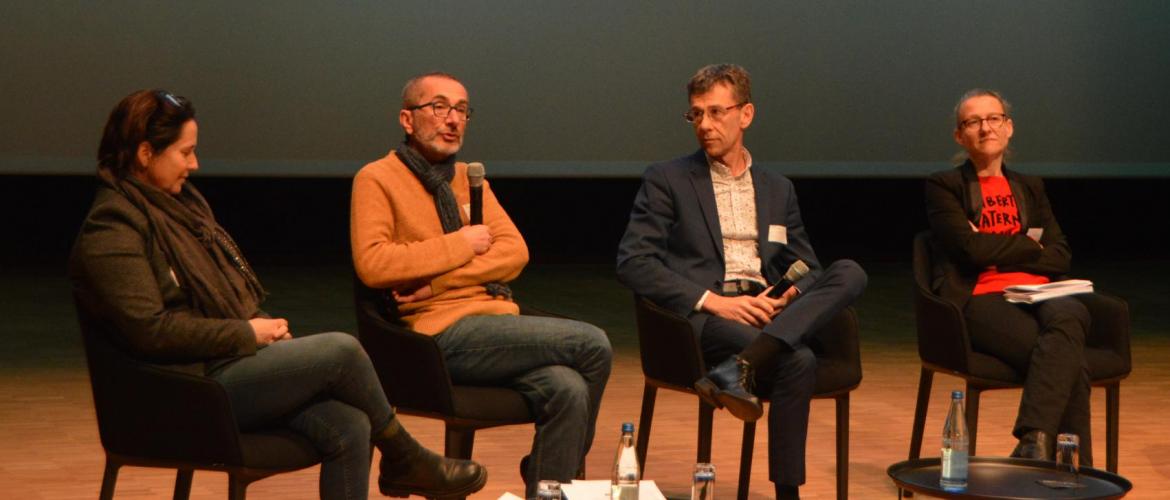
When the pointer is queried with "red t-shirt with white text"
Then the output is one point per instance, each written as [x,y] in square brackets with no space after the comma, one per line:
[1000,216]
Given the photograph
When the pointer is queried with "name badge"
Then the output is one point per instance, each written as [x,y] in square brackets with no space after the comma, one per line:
[778,234]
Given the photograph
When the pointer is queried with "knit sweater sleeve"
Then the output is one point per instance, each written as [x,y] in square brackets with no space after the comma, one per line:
[381,258]
[502,262]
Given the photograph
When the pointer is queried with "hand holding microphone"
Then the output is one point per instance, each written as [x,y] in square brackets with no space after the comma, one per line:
[476,234]
[475,174]
[797,271]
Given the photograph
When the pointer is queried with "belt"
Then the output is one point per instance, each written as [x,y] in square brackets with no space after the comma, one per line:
[735,288]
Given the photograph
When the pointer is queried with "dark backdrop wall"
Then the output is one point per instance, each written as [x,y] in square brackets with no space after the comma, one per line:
[573,99]
[306,221]
[591,89]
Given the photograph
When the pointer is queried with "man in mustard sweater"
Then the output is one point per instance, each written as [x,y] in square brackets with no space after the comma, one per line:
[410,234]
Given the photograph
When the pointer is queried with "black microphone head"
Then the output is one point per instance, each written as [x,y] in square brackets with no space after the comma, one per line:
[796,271]
[475,174]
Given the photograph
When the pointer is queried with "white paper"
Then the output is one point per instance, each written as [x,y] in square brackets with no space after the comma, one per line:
[599,490]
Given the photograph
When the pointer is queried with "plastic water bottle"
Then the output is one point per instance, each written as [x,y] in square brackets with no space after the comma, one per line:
[703,487]
[625,467]
[954,447]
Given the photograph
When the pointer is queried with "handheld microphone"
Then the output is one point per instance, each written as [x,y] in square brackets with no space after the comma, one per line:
[475,186]
[795,272]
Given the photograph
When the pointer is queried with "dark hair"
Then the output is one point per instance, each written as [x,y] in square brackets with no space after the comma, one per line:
[731,74]
[152,116]
[410,91]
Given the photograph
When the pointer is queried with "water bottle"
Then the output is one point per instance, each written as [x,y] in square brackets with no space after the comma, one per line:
[954,447]
[625,467]
[703,487]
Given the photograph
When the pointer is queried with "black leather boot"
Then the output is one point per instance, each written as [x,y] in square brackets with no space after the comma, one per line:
[1036,445]
[730,385]
[407,468]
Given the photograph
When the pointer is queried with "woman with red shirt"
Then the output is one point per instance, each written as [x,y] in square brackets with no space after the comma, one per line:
[996,229]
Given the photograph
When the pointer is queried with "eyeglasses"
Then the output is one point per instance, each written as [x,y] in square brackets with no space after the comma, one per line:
[715,112]
[442,109]
[993,121]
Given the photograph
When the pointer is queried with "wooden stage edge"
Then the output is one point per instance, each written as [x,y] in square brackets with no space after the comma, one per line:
[49,446]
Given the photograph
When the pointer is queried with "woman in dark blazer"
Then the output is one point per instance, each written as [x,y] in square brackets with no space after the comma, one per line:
[995,228]
[168,285]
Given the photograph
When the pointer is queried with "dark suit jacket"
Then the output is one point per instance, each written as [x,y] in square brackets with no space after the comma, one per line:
[122,280]
[672,250]
[954,202]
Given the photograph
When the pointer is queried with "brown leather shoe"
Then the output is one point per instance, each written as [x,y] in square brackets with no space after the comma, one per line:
[729,385]
[407,468]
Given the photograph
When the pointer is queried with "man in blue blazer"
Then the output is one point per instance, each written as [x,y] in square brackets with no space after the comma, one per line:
[707,236]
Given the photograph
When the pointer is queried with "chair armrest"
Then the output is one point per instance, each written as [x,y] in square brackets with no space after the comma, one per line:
[942,330]
[838,340]
[1110,324]
[667,343]
[147,411]
[409,364]
[532,311]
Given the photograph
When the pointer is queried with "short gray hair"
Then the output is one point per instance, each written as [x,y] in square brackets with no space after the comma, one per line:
[410,92]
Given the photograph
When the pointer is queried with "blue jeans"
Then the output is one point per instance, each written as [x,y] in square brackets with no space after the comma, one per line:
[322,386]
[559,365]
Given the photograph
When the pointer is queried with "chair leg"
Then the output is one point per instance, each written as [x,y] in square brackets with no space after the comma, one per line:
[458,442]
[109,479]
[183,484]
[237,487]
[925,381]
[843,446]
[649,394]
[972,417]
[706,422]
[1112,414]
[745,460]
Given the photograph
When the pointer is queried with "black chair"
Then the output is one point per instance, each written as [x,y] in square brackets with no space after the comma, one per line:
[945,347]
[415,378]
[154,417]
[672,359]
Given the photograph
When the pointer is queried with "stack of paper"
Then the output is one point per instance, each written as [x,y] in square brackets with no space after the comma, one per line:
[1031,294]
[599,490]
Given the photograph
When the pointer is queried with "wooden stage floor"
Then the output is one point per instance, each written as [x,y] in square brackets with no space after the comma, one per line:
[49,447]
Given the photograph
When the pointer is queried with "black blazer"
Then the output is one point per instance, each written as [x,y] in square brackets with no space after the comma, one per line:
[672,250]
[954,202]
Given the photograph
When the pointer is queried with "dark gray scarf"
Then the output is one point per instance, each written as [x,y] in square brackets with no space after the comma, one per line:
[206,261]
[437,181]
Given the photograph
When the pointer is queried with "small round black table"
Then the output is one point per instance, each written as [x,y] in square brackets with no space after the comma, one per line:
[1007,479]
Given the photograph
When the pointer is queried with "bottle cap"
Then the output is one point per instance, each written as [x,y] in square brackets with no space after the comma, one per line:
[957,395]
[627,427]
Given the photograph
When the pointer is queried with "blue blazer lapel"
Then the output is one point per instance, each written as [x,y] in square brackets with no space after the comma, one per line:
[705,193]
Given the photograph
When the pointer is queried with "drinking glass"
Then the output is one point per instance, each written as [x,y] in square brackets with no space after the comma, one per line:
[548,490]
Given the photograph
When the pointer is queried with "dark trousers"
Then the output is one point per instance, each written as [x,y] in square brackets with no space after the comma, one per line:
[789,380]
[1045,344]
